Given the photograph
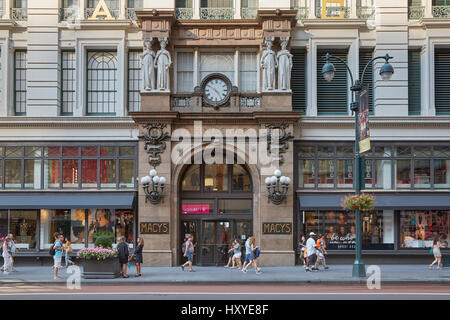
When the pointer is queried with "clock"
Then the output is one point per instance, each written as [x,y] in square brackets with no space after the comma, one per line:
[216,90]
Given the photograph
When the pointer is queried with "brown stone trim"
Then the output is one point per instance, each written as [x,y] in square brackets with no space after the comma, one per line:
[152,117]
[334,23]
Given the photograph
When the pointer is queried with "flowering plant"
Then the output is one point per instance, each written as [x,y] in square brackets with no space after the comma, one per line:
[362,202]
[97,253]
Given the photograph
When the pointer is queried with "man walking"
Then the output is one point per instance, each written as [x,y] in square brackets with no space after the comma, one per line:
[122,248]
[59,248]
[311,251]
[248,252]
[189,253]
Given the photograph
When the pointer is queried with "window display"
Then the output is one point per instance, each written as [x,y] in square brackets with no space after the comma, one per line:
[338,227]
[99,220]
[418,229]
[124,225]
[22,224]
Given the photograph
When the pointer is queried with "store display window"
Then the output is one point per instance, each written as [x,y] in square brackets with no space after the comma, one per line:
[418,229]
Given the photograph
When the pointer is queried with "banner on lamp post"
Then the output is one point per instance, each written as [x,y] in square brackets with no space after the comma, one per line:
[363,123]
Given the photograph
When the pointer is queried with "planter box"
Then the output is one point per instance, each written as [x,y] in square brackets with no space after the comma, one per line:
[101,269]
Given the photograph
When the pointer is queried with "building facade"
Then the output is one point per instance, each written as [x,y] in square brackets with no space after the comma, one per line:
[95,94]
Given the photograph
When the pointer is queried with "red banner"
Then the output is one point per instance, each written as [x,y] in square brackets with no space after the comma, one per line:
[195,208]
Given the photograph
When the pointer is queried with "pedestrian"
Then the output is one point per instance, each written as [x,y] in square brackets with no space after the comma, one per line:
[302,249]
[247,254]
[7,258]
[68,250]
[230,253]
[436,248]
[254,254]
[137,256]
[189,253]
[321,252]
[13,250]
[59,250]
[237,255]
[122,248]
[311,251]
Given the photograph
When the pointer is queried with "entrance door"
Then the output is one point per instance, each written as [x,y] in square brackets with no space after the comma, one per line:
[214,242]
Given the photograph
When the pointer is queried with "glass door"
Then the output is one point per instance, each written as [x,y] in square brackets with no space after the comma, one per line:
[214,242]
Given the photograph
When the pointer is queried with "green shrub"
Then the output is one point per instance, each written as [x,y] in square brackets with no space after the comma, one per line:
[103,239]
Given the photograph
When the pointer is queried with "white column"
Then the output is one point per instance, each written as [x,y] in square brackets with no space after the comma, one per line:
[237,9]
[311,76]
[195,76]
[7,9]
[81,7]
[311,9]
[121,94]
[122,9]
[428,4]
[353,9]
[4,85]
[236,67]
[196,9]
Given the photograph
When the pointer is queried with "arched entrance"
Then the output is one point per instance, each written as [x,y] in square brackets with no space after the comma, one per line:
[216,206]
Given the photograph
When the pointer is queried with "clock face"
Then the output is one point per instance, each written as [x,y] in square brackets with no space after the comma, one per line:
[216,90]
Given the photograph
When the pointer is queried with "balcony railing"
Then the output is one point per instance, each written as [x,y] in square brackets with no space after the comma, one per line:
[184,13]
[333,12]
[131,13]
[302,12]
[415,12]
[216,13]
[66,14]
[365,12]
[249,13]
[441,11]
[90,11]
[19,14]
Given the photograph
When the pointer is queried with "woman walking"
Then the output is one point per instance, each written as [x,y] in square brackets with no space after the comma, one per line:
[237,255]
[7,256]
[137,255]
[254,253]
[302,249]
[230,254]
[67,250]
[437,253]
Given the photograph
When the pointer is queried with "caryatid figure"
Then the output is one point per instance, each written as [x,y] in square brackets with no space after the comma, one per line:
[162,64]
[147,65]
[268,64]
[284,58]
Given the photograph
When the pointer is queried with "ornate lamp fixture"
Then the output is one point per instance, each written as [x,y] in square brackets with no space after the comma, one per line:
[277,187]
[154,195]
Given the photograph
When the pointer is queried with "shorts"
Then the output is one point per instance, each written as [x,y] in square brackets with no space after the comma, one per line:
[252,256]
[190,256]
[247,258]
[312,259]
[238,255]
[57,262]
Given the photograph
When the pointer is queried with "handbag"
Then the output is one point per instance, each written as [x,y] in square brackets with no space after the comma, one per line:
[431,251]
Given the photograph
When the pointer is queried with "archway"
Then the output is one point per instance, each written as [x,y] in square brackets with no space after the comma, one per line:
[216,206]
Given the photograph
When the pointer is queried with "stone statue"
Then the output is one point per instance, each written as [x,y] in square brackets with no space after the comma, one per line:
[284,58]
[162,64]
[147,65]
[268,63]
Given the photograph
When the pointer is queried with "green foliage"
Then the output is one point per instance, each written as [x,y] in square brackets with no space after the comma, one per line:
[103,239]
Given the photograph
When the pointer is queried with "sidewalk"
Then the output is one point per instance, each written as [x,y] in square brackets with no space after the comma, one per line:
[339,274]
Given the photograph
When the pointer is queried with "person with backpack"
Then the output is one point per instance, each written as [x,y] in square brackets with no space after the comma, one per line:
[254,254]
[58,248]
[189,253]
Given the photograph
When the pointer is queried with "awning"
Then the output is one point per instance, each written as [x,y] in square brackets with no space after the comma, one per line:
[382,201]
[66,200]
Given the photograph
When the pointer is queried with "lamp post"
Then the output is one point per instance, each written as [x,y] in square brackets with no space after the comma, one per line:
[386,73]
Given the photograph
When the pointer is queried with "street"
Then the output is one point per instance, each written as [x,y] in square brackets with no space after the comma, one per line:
[224,292]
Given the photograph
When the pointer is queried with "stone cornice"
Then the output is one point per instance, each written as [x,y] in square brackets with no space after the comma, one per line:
[7,24]
[435,22]
[333,23]
[105,24]
[67,122]
[376,122]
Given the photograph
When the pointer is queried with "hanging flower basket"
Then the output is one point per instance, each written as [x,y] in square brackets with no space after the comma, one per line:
[362,202]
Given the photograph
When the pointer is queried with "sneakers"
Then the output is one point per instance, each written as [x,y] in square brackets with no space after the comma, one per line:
[244,271]
[259,271]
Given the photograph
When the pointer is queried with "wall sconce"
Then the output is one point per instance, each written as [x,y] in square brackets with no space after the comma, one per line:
[154,195]
[277,187]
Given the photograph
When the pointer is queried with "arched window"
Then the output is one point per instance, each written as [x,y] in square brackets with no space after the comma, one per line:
[102,82]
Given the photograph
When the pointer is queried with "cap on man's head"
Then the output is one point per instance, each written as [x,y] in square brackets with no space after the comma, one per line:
[312,234]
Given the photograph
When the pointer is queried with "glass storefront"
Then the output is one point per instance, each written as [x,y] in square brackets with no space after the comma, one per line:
[418,229]
[338,227]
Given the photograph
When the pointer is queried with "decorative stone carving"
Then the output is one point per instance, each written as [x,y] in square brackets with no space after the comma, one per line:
[148,68]
[268,64]
[284,58]
[162,64]
[283,138]
[155,137]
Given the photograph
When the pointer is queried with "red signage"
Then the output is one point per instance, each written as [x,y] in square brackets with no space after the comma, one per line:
[195,209]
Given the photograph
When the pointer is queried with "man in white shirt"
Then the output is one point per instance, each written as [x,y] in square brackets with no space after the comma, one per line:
[311,251]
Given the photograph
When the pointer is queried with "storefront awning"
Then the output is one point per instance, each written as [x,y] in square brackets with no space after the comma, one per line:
[69,200]
[382,201]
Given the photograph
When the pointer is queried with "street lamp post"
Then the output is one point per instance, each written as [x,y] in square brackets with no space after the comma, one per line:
[386,73]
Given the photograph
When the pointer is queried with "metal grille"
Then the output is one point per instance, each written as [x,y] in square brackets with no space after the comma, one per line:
[134,80]
[332,96]
[20,82]
[414,96]
[298,83]
[365,55]
[68,82]
[137,4]
[442,81]
[102,82]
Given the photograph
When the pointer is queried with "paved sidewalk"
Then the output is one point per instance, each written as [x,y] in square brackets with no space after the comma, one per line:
[339,274]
